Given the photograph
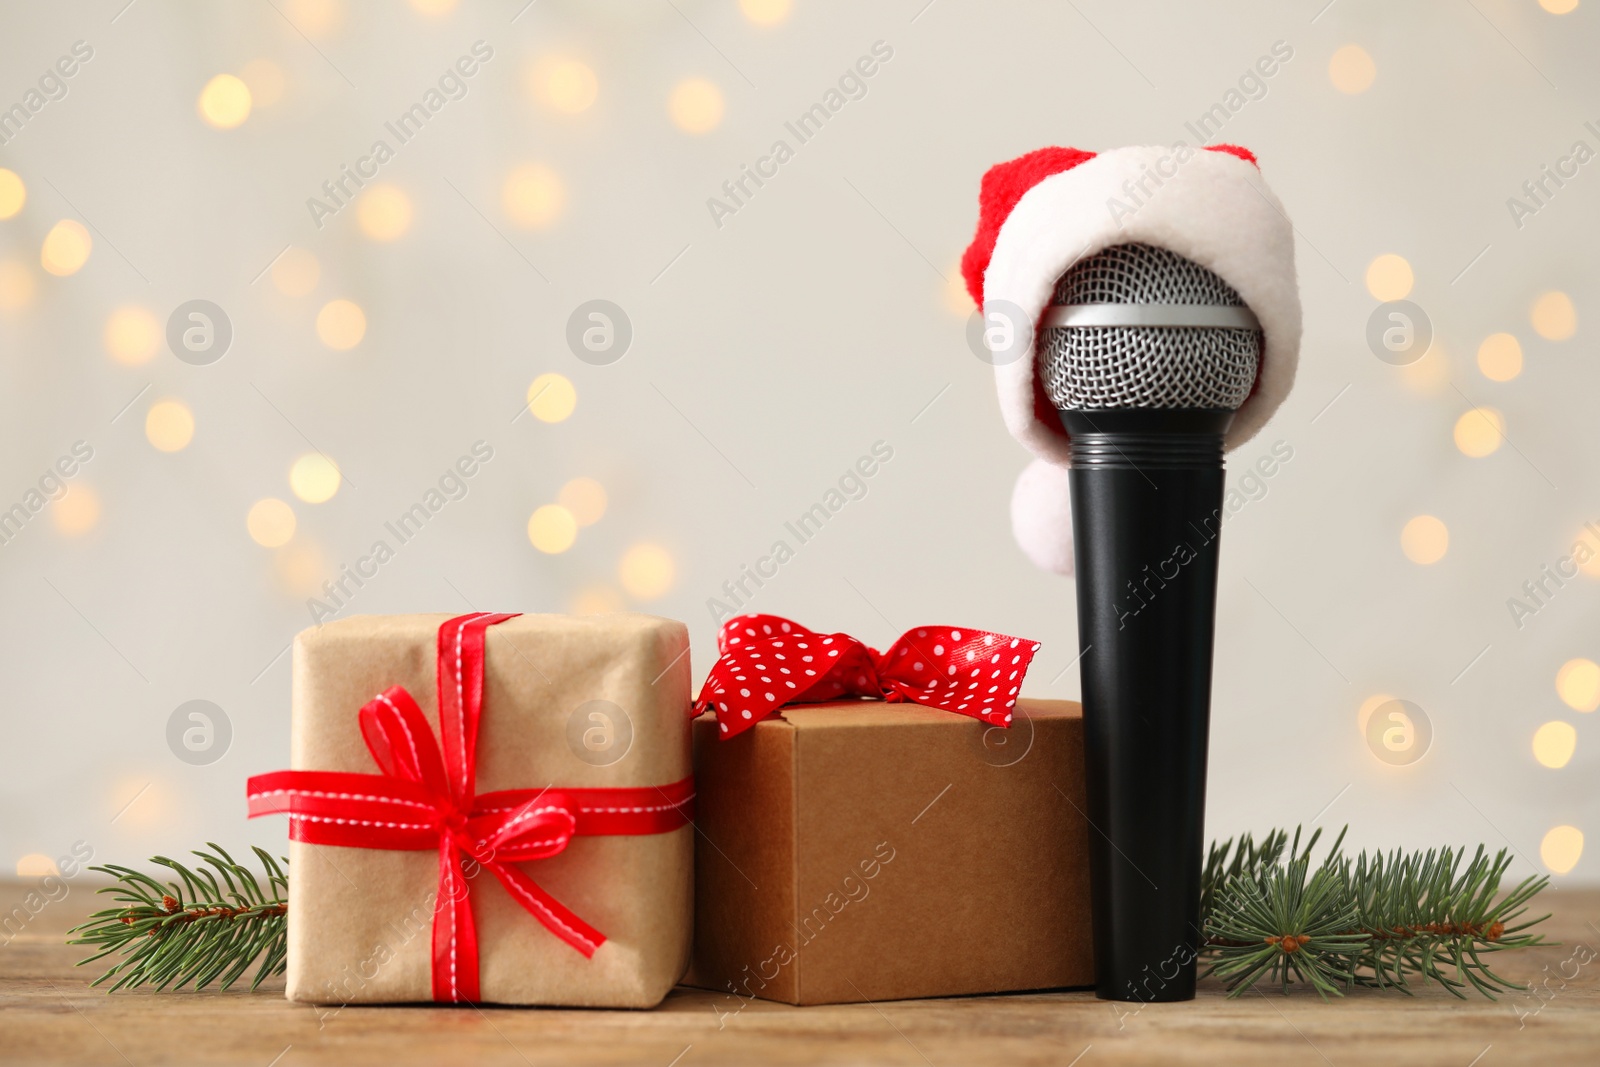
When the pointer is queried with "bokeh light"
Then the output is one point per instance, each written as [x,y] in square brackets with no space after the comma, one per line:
[1578,684]
[13,194]
[296,272]
[954,292]
[132,335]
[384,212]
[551,397]
[265,80]
[314,478]
[695,106]
[552,529]
[1561,848]
[1389,277]
[1352,70]
[315,18]
[1500,357]
[169,425]
[66,248]
[585,498]
[1368,706]
[341,324]
[301,568]
[568,86]
[533,196]
[434,8]
[17,285]
[1554,317]
[271,522]
[1425,539]
[1429,375]
[77,511]
[225,102]
[1553,744]
[1559,7]
[36,865]
[1478,432]
[765,12]
[646,571]
[596,600]
[1590,564]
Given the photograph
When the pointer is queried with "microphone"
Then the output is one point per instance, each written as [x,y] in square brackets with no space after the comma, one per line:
[1146,357]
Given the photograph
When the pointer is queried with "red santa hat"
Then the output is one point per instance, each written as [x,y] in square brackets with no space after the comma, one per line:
[1043,212]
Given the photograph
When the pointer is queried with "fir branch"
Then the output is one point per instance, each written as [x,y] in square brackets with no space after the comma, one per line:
[1376,920]
[201,931]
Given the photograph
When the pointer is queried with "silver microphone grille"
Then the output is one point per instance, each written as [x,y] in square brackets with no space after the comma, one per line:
[1093,367]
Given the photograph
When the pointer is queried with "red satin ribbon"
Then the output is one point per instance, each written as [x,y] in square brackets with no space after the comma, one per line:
[426,798]
[768,661]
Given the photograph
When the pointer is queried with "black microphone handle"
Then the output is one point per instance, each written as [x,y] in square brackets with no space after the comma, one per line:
[1147,487]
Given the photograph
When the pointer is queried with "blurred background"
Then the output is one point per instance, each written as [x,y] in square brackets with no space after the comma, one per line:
[271,269]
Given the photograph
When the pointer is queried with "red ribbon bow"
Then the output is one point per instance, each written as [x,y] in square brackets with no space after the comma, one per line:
[768,661]
[426,798]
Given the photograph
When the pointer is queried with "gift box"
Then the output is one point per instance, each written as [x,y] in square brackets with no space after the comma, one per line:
[855,850]
[505,821]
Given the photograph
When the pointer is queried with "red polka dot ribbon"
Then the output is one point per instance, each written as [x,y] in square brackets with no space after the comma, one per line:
[768,661]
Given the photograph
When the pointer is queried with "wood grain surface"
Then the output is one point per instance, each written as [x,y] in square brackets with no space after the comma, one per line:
[49,1015]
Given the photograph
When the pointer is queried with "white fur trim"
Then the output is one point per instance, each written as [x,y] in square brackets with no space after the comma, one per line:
[1214,209]
[1041,516]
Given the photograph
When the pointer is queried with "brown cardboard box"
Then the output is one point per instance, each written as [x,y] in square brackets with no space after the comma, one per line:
[359,928]
[867,851]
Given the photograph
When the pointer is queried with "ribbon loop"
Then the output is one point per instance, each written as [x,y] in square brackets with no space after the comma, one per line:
[426,798]
[769,661]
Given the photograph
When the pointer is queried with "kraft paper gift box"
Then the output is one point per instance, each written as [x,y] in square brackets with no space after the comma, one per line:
[361,918]
[859,850]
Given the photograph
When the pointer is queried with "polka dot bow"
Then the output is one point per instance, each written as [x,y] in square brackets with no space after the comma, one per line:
[768,662]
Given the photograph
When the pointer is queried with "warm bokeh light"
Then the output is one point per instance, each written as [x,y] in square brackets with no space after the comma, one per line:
[384,212]
[596,600]
[1553,744]
[1500,357]
[314,478]
[564,85]
[695,105]
[552,529]
[225,102]
[301,568]
[646,571]
[13,194]
[17,285]
[1479,432]
[1429,375]
[1368,706]
[585,498]
[434,8]
[1425,539]
[341,324]
[1578,684]
[77,511]
[169,425]
[1559,7]
[1352,70]
[1561,848]
[551,397]
[296,272]
[1590,565]
[271,522]
[1554,317]
[765,12]
[265,80]
[1389,277]
[315,18]
[954,292]
[532,196]
[36,865]
[66,248]
[132,335]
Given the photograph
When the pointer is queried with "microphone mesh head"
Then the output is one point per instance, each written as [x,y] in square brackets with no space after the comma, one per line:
[1090,367]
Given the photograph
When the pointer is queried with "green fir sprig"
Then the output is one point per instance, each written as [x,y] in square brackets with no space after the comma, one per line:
[1375,920]
[201,931]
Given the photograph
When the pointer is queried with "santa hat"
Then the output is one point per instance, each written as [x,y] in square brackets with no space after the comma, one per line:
[1044,212]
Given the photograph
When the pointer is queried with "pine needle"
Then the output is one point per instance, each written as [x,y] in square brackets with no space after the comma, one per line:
[1376,920]
[200,931]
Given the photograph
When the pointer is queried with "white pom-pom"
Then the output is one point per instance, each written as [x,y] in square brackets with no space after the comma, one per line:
[1041,516]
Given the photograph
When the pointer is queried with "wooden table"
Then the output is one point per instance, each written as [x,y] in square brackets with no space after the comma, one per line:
[49,1015]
